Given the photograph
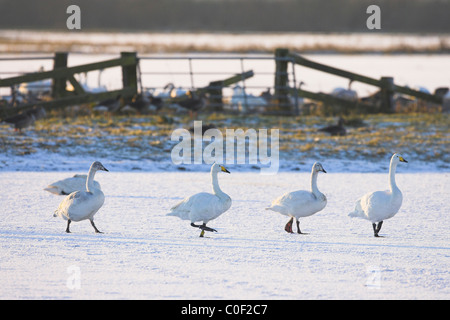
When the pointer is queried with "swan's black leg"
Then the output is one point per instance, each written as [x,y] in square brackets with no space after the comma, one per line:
[68,224]
[376,228]
[95,228]
[288,226]
[298,227]
[379,226]
[375,233]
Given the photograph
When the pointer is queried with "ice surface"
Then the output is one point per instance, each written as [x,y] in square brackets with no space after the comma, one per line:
[144,254]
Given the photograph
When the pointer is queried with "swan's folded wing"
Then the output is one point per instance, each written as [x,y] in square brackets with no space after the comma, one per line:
[372,205]
[291,200]
[183,208]
[69,185]
[198,207]
[68,201]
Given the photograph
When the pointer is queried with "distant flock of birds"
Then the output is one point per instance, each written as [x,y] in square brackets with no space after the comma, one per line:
[191,101]
[180,99]
[84,198]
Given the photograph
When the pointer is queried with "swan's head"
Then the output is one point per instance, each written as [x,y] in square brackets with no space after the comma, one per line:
[397,157]
[218,168]
[318,167]
[97,165]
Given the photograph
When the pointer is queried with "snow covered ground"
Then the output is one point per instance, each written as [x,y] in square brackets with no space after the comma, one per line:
[144,254]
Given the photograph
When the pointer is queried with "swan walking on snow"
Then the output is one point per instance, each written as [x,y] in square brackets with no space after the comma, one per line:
[82,205]
[298,204]
[204,206]
[381,205]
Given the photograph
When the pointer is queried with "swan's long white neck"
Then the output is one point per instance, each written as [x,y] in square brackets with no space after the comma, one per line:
[314,188]
[392,168]
[90,179]
[215,184]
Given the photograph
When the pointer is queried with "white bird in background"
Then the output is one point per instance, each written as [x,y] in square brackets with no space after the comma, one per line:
[299,204]
[346,94]
[82,205]
[166,93]
[204,206]
[69,185]
[381,205]
[246,101]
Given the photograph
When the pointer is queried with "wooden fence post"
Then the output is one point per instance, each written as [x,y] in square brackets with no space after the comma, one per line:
[281,82]
[387,94]
[129,73]
[215,95]
[59,84]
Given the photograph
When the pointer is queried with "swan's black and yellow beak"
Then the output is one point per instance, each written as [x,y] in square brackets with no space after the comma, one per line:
[224,169]
[402,159]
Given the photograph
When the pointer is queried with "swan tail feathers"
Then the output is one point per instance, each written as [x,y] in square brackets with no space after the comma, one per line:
[56,213]
[354,214]
[276,208]
[182,214]
[53,189]
[358,212]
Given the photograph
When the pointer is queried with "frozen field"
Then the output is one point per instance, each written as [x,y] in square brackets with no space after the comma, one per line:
[144,254]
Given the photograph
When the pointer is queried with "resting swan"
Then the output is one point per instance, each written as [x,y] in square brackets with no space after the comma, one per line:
[82,205]
[381,205]
[298,204]
[204,206]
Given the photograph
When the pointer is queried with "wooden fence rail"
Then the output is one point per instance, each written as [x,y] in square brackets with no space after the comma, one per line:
[61,73]
[129,62]
[332,100]
[386,84]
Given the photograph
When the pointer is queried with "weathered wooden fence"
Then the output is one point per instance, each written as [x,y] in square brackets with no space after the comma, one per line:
[386,85]
[280,101]
[61,74]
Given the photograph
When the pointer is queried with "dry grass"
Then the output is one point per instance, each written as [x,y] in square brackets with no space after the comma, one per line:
[425,136]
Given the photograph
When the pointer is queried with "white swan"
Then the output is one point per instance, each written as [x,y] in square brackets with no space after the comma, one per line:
[82,205]
[381,205]
[245,102]
[69,185]
[298,204]
[204,206]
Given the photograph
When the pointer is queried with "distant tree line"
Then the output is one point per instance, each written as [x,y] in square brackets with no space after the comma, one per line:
[229,15]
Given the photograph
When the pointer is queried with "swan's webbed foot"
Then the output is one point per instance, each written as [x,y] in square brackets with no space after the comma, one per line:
[95,228]
[204,228]
[376,229]
[298,227]
[288,226]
